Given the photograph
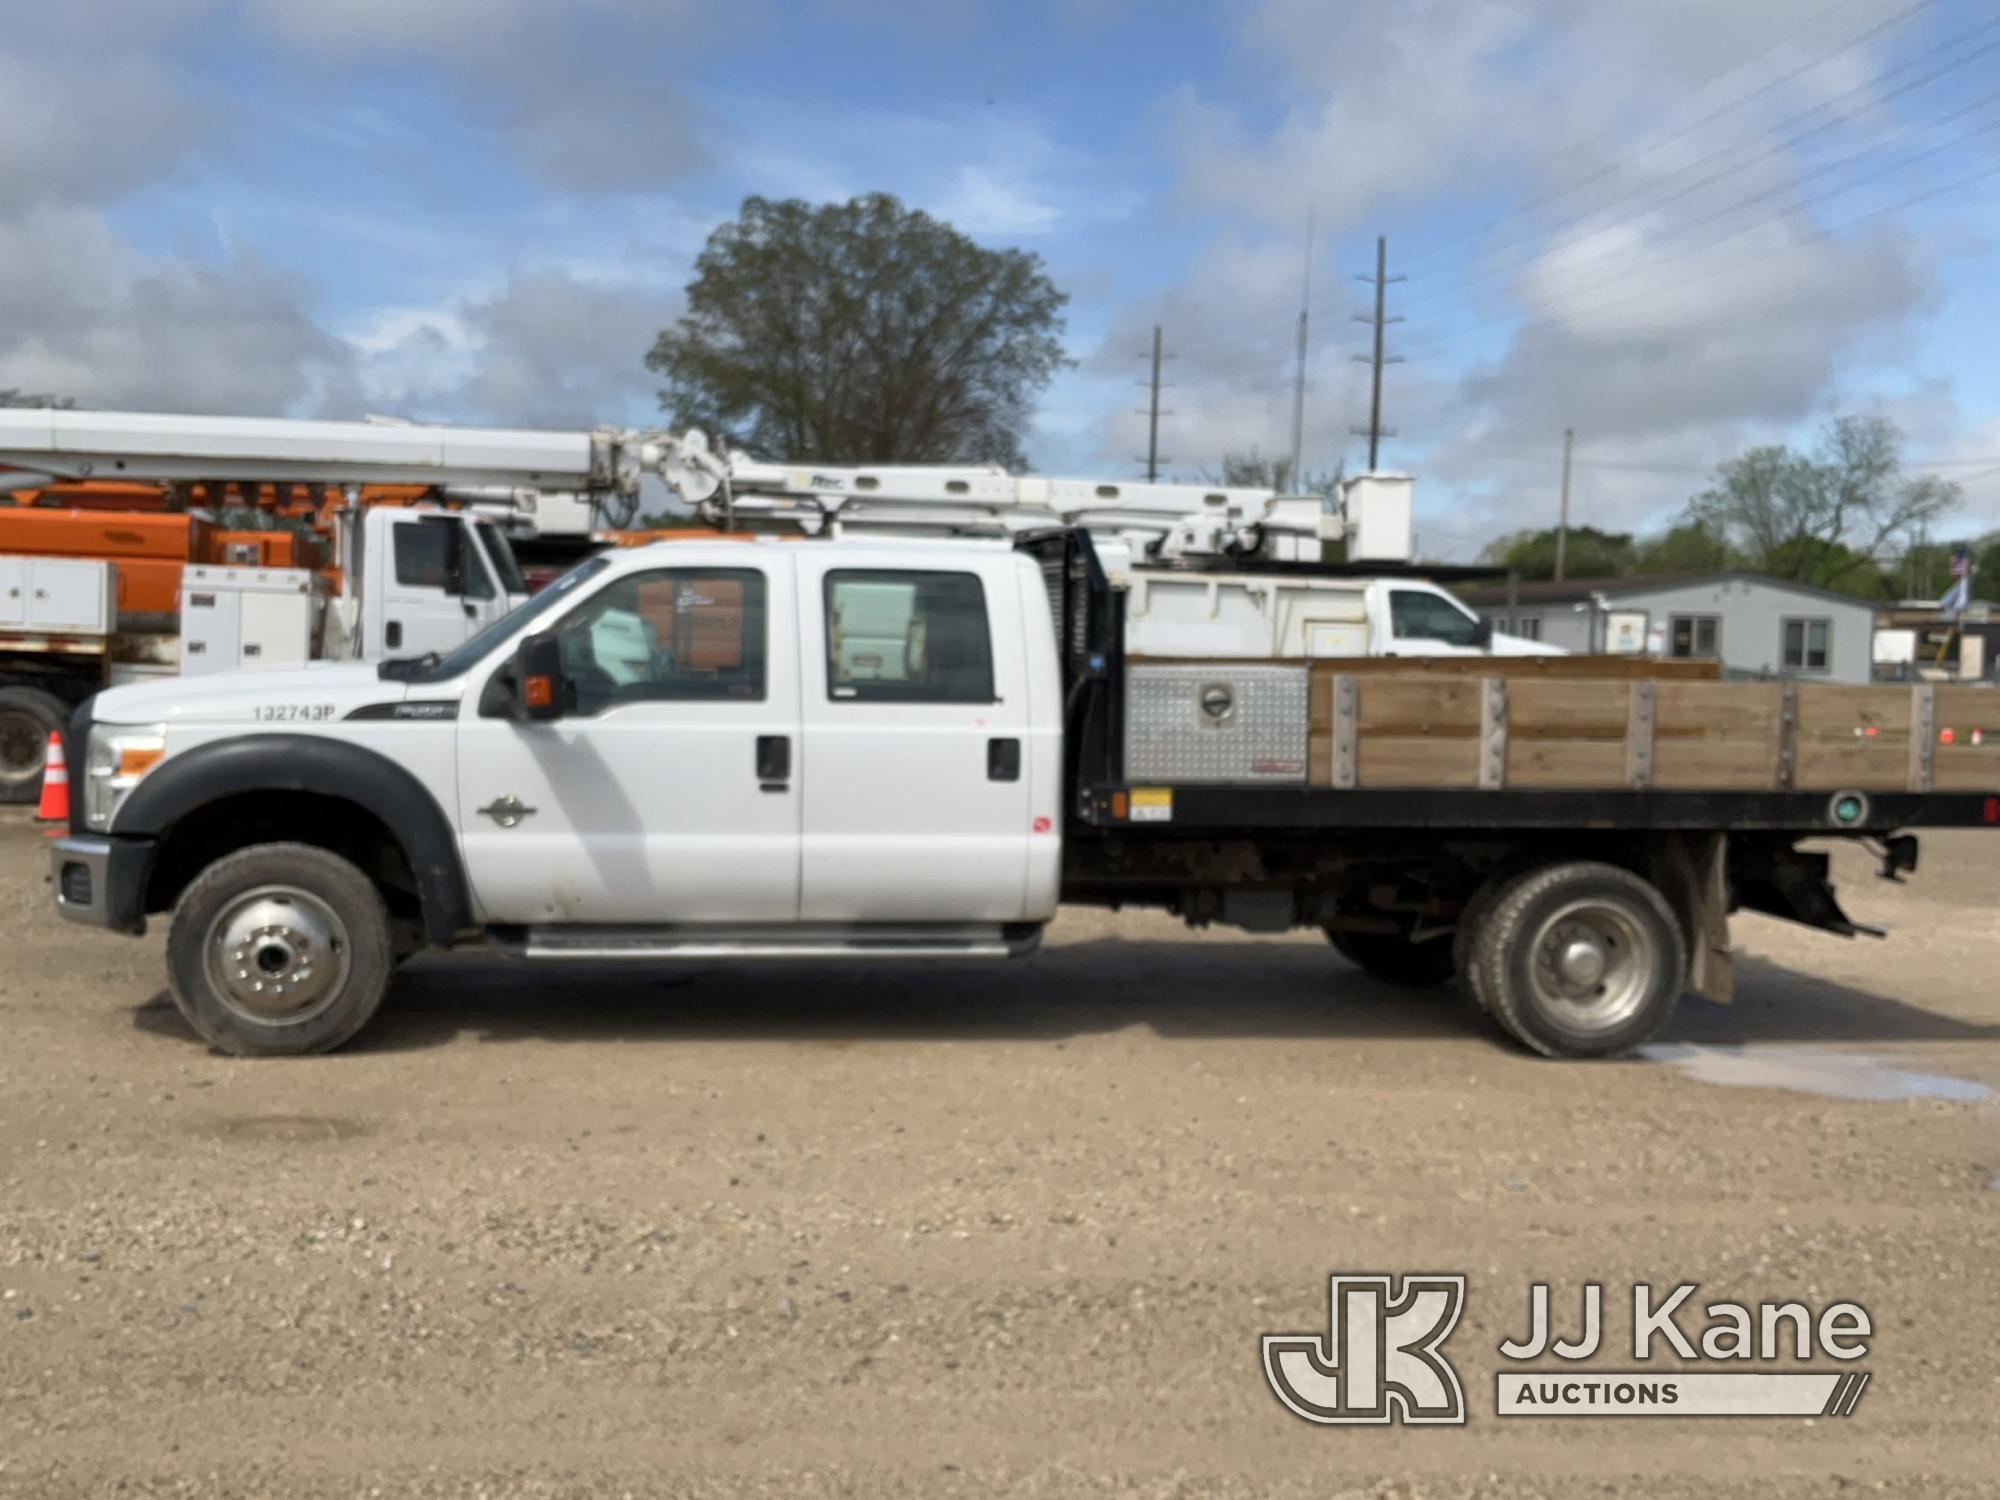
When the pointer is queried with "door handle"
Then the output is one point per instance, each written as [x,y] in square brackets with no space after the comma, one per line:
[1003,760]
[392,634]
[774,761]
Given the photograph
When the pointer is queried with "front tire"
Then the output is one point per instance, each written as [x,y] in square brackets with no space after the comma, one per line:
[1580,959]
[280,950]
[1393,957]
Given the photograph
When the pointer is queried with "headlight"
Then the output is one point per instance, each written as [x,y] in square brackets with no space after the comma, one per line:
[119,756]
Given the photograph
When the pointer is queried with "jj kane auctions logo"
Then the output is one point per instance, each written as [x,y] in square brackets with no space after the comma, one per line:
[1381,1359]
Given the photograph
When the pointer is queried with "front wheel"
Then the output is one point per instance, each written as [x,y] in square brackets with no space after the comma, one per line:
[1580,959]
[1393,957]
[279,950]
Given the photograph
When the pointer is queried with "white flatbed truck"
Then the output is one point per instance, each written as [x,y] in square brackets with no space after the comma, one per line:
[753,748]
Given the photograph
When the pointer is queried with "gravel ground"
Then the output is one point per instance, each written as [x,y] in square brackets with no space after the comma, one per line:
[935,1231]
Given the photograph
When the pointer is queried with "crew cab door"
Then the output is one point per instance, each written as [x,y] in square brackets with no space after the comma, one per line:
[916,718]
[669,791]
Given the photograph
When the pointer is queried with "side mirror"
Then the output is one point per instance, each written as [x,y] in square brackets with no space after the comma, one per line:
[538,677]
[1482,632]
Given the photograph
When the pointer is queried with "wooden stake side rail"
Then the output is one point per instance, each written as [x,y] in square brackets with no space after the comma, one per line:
[1370,729]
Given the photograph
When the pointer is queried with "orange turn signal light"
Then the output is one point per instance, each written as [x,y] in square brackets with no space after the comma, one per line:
[538,692]
[138,760]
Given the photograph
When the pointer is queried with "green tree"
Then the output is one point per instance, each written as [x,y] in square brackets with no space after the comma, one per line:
[1590,553]
[1830,517]
[861,332]
[1688,548]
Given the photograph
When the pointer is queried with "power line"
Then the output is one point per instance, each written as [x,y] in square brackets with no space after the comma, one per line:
[1619,274]
[1805,242]
[1675,137]
[1679,194]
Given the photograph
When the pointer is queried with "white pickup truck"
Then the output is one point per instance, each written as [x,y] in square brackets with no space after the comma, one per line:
[708,749]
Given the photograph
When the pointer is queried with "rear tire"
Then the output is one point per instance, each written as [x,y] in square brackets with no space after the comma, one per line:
[1580,959]
[28,716]
[280,950]
[1392,957]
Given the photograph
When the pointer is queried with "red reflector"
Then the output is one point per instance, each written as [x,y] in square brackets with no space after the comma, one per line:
[1993,809]
[1945,736]
[1044,825]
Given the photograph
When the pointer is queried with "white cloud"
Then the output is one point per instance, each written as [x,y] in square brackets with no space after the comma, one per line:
[91,318]
[546,348]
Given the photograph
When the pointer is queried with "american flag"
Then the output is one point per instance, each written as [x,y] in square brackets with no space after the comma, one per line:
[1961,561]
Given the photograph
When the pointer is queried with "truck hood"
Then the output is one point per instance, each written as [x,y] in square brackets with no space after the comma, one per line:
[1503,644]
[314,692]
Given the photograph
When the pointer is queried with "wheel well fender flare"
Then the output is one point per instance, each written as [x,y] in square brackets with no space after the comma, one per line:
[206,774]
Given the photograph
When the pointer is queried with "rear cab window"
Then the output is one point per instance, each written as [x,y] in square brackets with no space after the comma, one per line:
[907,636]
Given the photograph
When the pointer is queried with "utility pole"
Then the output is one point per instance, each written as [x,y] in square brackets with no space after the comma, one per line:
[1293,482]
[1375,431]
[1562,523]
[1152,413]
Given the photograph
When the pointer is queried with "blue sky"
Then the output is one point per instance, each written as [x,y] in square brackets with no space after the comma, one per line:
[1681,228]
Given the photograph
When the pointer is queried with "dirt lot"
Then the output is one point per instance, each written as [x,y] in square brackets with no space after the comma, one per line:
[943,1231]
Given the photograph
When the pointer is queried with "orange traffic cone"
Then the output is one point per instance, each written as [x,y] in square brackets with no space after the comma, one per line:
[55,784]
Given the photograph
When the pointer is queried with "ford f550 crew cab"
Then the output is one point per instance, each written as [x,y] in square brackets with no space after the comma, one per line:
[707,749]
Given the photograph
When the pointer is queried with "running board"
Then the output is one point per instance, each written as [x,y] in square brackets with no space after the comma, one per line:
[956,940]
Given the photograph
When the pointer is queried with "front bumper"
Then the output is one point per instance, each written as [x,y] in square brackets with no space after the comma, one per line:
[101,881]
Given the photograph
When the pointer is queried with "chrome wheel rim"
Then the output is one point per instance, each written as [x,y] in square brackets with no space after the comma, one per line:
[1591,964]
[276,954]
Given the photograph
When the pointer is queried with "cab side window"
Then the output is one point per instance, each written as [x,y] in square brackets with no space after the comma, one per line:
[898,636]
[670,635]
[424,551]
[1415,615]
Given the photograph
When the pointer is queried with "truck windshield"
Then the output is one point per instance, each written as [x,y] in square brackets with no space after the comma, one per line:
[501,555]
[436,668]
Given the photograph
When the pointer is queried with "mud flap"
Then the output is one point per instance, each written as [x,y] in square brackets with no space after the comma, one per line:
[1692,871]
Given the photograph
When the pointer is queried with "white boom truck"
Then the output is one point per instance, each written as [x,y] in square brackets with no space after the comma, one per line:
[405,579]
[1209,570]
[753,748]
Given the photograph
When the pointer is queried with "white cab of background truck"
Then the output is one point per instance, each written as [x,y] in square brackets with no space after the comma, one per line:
[1277,614]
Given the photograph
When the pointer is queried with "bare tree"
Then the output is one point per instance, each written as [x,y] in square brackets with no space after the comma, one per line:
[1250,468]
[1824,516]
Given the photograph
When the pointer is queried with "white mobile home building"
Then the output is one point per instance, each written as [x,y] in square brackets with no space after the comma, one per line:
[1754,625]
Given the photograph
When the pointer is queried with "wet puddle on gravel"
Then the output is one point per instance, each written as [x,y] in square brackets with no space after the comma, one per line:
[1833,1075]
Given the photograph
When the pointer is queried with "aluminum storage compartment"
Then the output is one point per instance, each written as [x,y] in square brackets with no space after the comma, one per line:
[246,617]
[57,595]
[1215,721]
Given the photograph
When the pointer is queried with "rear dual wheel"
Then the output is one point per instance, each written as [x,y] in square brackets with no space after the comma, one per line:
[1579,959]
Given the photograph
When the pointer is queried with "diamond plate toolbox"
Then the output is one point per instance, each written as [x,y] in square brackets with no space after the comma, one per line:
[1215,721]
